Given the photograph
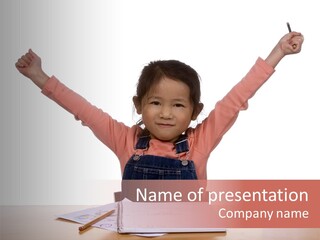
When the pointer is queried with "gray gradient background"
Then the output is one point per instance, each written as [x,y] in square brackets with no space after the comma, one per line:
[98,48]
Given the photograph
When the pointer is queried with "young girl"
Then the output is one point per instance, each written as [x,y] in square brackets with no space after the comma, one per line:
[162,145]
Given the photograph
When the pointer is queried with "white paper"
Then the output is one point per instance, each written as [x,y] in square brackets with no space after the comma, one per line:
[87,215]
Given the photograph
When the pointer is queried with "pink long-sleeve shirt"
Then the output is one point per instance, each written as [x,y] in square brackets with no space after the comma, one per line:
[202,139]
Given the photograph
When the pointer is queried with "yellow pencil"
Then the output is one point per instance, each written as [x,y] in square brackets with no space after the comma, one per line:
[89,224]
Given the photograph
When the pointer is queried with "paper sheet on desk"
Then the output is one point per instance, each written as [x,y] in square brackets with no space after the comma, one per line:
[86,215]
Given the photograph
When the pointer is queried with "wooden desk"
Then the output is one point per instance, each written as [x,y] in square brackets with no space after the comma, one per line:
[39,223]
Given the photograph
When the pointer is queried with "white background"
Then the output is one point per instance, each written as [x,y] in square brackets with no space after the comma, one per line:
[98,49]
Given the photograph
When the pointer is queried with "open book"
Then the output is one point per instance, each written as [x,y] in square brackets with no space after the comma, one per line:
[145,217]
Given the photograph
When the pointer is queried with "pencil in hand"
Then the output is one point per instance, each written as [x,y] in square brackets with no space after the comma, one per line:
[289,28]
[89,224]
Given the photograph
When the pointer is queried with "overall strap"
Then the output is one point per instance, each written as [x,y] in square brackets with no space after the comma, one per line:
[182,144]
[143,142]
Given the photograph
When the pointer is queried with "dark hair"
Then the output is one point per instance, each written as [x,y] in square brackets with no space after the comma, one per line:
[176,70]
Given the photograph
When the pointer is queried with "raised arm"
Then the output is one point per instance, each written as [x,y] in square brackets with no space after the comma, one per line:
[290,43]
[29,65]
[112,133]
[227,109]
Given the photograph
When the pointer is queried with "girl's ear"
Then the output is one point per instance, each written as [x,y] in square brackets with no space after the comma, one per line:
[137,104]
[196,111]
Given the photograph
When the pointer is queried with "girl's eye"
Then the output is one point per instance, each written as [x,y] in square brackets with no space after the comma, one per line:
[155,103]
[178,105]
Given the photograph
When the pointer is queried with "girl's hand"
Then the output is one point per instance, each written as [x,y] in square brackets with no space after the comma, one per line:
[29,65]
[290,43]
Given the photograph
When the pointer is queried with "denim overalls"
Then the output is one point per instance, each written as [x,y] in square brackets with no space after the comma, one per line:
[156,167]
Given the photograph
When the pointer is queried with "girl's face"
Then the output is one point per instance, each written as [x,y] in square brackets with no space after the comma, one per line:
[167,109]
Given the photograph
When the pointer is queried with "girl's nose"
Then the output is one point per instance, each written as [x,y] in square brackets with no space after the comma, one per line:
[166,112]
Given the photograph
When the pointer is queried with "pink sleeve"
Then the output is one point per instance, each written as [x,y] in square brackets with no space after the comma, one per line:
[112,133]
[208,134]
